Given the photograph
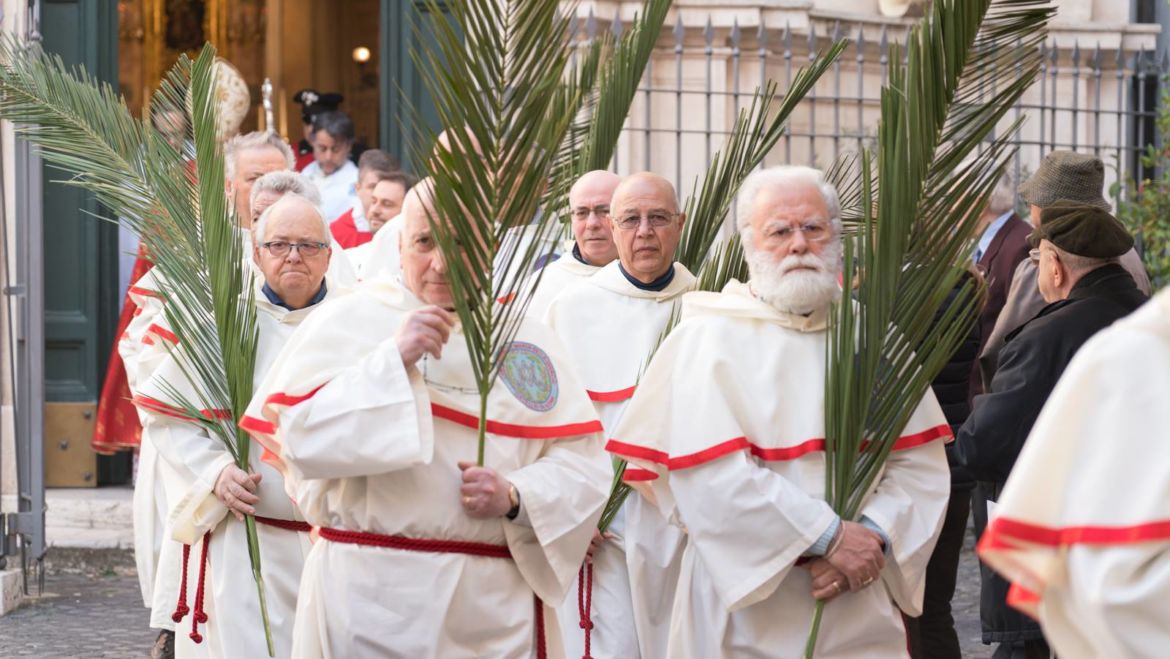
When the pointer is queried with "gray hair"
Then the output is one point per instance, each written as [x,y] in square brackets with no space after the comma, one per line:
[261,225]
[253,140]
[783,175]
[1003,195]
[285,182]
[1079,265]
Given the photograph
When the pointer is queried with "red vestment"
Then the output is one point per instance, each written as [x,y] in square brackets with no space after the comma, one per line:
[117,427]
[346,233]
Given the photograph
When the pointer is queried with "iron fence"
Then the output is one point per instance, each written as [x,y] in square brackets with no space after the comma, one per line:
[1090,99]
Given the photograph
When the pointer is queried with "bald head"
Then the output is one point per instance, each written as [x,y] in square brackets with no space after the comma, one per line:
[589,200]
[647,225]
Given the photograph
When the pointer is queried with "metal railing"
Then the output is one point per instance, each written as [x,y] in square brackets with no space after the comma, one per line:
[1086,99]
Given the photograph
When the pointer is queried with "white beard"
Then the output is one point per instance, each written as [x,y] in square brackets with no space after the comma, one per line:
[798,291]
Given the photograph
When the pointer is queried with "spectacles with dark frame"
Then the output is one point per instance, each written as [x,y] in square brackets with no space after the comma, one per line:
[582,213]
[656,220]
[283,247]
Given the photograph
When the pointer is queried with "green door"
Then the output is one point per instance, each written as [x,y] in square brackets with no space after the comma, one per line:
[80,261]
[402,88]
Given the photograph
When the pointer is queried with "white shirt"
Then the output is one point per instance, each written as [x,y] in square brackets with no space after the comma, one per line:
[338,190]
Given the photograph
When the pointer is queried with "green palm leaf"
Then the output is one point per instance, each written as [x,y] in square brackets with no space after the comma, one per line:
[886,346]
[182,217]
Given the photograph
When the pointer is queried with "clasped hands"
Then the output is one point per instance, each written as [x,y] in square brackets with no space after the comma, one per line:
[854,561]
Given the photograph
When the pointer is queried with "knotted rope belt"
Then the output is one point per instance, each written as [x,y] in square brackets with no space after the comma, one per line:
[200,616]
[585,604]
[439,547]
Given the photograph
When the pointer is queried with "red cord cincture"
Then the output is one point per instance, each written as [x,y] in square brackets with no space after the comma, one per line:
[585,604]
[181,607]
[199,616]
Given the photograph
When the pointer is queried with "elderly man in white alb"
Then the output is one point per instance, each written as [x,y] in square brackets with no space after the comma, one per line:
[373,416]
[610,323]
[593,246]
[292,251]
[256,165]
[728,420]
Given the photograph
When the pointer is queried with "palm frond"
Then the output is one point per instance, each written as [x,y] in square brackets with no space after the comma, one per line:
[503,89]
[885,343]
[618,85]
[182,218]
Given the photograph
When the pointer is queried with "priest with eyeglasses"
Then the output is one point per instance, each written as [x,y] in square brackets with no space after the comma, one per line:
[215,596]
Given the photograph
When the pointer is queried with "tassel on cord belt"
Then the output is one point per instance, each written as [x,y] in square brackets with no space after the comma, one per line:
[199,616]
[439,547]
[585,603]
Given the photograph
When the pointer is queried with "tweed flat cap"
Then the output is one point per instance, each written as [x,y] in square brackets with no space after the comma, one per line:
[1066,176]
[1083,230]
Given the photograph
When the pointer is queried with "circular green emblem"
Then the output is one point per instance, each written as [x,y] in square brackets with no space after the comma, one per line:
[529,375]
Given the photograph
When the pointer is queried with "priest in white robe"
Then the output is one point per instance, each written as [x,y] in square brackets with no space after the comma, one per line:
[256,174]
[592,246]
[727,422]
[610,323]
[372,413]
[1082,528]
[209,494]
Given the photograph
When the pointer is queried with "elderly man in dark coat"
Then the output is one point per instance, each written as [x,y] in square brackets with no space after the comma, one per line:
[1076,251]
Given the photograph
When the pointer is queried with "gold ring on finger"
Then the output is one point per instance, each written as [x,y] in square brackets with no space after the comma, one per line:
[837,587]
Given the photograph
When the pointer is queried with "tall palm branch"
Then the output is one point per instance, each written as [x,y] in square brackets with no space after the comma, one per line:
[182,216]
[934,174]
[504,88]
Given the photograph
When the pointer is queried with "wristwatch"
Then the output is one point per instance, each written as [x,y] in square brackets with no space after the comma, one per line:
[514,499]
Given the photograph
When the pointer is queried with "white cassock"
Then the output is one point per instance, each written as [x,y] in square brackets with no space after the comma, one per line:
[229,595]
[556,277]
[142,348]
[371,451]
[1082,528]
[338,190]
[610,328]
[726,424]
[379,257]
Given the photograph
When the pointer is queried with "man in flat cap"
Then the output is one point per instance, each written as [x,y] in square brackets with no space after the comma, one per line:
[1076,250]
[1062,176]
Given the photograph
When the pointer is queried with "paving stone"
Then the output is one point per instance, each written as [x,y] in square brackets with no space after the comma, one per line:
[102,616]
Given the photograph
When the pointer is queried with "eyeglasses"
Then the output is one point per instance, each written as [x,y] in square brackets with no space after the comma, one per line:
[282,248]
[812,232]
[656,220]
[582,213]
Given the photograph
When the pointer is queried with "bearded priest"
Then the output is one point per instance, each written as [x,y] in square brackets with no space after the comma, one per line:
[372,415]
[728,421]
[611,323]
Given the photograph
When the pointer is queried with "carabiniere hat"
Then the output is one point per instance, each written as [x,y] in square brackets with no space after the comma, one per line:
[1083,230]
[1066,176]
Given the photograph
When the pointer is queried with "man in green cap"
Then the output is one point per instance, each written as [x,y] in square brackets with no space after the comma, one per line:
[1076,252]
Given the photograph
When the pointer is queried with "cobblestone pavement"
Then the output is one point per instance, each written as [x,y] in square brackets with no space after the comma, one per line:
[79,616]
[102,616]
